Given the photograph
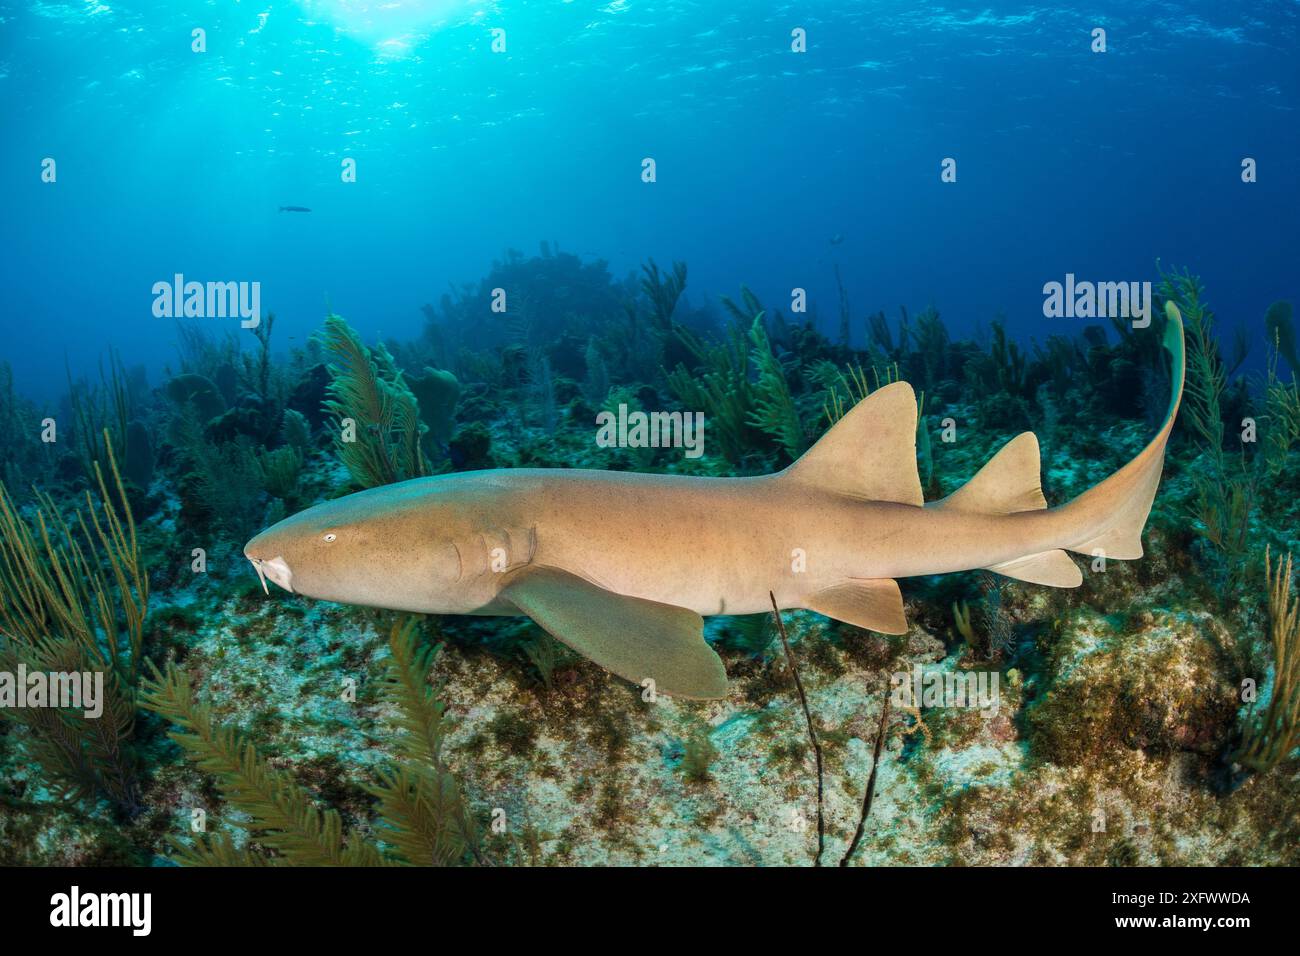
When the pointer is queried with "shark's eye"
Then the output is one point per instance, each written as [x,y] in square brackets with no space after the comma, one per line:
[330,536]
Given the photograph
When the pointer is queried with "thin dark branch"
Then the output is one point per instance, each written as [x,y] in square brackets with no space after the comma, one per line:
[812,732]
[871,780]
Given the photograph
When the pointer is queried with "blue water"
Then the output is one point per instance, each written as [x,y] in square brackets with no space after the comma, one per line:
[1068,161]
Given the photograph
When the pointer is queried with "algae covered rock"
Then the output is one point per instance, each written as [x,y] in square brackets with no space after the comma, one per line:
[436,392]
[471,448]
[226,378]
[196,390]
[254,417]
[139,462]
[296,431]
[309,394]
[1154,683]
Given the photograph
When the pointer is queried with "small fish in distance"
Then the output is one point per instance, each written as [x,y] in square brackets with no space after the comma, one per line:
[294,209]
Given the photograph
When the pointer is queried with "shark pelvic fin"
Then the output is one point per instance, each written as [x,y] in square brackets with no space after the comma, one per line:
[875,604]
[870,453]
[1052,568]
[1008,482]
[634,638]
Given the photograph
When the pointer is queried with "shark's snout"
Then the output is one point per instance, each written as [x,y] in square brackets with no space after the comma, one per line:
[259,552]
[276,569]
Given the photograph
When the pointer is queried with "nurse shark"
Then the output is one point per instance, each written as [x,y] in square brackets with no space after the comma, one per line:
[621,567]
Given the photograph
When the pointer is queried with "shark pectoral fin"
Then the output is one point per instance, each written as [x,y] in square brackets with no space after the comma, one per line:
[1053,568]
[875,604]
[634,638]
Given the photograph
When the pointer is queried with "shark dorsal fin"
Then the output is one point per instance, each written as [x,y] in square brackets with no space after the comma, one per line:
[1008,482]
[870,453]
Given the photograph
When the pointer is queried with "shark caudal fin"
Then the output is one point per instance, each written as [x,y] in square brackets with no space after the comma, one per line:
[870,453]
[1109,518]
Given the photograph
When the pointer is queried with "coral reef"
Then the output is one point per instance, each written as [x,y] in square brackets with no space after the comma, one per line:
[422,816]
[1150,716]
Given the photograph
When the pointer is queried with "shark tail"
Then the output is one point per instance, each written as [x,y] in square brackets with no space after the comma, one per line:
[1109,517]
[1008,484]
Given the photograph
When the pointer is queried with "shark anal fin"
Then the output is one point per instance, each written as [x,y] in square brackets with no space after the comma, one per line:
[632,637]
[875,604]
[1053,568]
[870,453]
[1008,482]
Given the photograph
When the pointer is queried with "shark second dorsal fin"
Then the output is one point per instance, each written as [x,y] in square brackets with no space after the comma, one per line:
[870,453]
[1008,482]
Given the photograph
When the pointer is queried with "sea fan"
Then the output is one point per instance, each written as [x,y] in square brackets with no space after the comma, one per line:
[422,814]
[774,410]
[73,599]
[377,416]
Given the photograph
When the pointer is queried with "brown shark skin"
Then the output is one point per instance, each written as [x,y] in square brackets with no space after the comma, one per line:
[719,545]
[714,545]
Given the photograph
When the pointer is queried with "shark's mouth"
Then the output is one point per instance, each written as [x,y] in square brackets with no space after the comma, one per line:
[276,570]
